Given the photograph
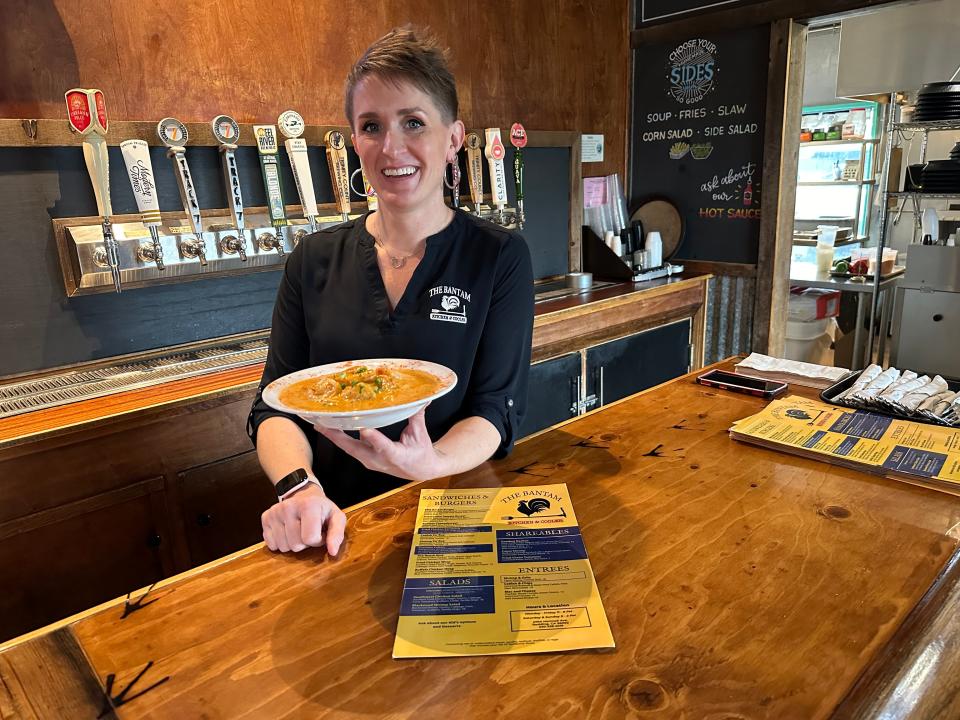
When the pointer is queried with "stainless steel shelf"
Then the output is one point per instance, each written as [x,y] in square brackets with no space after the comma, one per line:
[933,125]
[848,183]
[866,141]
[932,196]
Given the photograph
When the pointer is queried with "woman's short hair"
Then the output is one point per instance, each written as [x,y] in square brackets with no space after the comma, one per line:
[408,54]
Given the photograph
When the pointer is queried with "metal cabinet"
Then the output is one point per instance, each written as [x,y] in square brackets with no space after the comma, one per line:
[620,368]
[926,327]
[553,390]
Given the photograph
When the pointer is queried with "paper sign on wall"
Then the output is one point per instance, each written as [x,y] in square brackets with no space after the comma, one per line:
[591,148]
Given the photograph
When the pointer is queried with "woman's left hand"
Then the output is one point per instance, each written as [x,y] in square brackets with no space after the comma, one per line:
[412,457]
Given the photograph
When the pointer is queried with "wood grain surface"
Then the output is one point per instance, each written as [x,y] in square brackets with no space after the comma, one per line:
[739,583]
[50,678]
[548,64]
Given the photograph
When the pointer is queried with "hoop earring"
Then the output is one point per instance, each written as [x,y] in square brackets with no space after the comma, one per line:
[455,175]
[372,192]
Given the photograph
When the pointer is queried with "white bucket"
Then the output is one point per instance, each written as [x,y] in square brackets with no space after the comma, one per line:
[807,341]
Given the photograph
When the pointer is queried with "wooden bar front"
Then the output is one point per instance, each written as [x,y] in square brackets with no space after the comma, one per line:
[739,583]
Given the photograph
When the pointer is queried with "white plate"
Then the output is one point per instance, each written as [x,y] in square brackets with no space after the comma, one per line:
[359,419]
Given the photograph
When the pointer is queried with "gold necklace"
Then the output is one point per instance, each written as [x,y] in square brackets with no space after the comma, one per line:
[397,261]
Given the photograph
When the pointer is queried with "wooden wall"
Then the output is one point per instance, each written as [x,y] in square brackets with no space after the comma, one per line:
[551,64]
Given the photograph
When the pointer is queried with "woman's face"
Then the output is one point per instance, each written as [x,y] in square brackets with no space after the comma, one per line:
[403,142]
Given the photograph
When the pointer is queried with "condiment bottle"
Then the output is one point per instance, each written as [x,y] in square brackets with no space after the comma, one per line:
[654,246]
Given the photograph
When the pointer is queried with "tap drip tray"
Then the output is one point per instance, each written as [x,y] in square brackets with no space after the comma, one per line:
[133,373]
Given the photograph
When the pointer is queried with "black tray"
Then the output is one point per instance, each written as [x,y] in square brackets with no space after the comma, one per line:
[828,395]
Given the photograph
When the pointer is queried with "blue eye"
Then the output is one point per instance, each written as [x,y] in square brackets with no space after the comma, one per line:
[370,127]
[414,124]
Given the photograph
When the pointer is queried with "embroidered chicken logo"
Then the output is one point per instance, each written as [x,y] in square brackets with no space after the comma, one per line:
[529,507]
[450,302]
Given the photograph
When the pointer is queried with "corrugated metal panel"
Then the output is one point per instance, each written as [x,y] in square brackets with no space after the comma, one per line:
[729,316]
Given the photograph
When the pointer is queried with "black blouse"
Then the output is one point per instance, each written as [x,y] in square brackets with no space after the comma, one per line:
[468,306]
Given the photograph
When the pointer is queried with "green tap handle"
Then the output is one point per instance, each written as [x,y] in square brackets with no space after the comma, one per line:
[518,173]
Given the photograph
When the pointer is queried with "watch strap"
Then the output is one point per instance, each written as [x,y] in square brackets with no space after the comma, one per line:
[295,481]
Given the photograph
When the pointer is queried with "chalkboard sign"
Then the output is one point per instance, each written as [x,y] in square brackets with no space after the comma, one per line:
[651,10]
[697,138]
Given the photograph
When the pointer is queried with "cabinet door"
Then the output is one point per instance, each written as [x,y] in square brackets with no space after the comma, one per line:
[626,366]
[58,562]
[222,502]
[551,392]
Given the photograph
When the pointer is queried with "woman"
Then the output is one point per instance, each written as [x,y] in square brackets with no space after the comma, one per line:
[415,279]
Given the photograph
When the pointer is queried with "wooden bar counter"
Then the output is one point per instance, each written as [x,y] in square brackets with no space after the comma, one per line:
[560,325]
[739,583]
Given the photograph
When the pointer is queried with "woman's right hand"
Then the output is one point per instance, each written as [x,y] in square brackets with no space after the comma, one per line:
[307,518]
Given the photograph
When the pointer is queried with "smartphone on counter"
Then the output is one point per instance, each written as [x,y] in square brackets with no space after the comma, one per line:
[742,383]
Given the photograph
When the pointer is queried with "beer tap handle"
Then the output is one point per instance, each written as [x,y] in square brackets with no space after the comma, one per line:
[98,166]
[188,193]
[518,138]
[227,133]
[291,126]
[174,135]
[87,113]
[495,153]
[339,175]
[474,170]
[136,156]
[268,148]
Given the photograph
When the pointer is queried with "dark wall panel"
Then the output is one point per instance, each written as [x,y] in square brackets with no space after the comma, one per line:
[41,328]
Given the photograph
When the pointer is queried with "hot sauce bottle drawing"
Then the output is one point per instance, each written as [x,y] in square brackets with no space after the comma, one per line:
[748,193]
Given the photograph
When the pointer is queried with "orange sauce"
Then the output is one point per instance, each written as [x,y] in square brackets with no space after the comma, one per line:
[360,388]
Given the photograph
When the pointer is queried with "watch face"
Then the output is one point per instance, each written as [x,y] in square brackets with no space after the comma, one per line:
[289,482]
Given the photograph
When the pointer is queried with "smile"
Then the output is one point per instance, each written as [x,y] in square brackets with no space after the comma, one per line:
[400,171]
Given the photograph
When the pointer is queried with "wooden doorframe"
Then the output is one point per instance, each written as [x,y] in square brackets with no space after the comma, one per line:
[781,147]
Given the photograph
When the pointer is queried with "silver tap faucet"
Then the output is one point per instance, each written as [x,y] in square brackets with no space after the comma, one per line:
[194,248]
[232,244]
[269,241]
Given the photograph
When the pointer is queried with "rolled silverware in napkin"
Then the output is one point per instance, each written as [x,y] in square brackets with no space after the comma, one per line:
[869,373]
[912,400]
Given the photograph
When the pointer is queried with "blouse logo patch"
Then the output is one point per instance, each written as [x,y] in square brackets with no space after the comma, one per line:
[449,304]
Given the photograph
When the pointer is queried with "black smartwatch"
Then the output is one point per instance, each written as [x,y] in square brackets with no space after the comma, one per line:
[296,480]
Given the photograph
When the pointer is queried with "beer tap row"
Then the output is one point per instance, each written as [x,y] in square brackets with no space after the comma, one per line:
[251,238]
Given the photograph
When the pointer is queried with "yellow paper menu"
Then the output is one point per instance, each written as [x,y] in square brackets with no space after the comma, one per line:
[927,454]
[498,571]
